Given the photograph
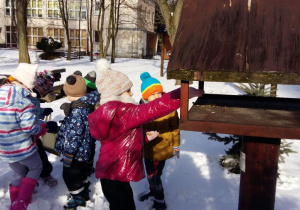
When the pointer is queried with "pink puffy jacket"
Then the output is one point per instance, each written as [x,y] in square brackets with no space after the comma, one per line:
[117,126]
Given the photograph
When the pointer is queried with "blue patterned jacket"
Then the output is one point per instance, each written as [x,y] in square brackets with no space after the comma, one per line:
[74,136]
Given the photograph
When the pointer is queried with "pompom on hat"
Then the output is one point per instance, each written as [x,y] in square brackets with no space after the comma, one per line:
[149,85]
[75,86]
[110,82]
[45,79]
[26,74]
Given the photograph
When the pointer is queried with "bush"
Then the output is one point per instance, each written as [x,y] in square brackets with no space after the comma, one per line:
[48,46]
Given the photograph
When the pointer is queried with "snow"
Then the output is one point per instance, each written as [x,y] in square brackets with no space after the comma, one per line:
[194,181]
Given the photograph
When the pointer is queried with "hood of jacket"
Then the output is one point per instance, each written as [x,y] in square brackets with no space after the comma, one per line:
[10,94]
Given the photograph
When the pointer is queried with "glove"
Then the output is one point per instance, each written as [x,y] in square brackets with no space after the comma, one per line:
[151,135]
[176,151]
[47,111]
[67,160]
[52,127]
[43,130]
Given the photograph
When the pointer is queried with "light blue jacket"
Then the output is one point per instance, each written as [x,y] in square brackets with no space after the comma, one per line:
[17,124]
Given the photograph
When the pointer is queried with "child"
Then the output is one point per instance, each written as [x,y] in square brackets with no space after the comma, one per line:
[117,125]
[74,141]
[163,147]
[90,80]
[44,84]
[16,137]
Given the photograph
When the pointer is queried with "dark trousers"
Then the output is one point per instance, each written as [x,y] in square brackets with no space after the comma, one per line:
[75,175]
[154,171]
[47,166]
[118,194]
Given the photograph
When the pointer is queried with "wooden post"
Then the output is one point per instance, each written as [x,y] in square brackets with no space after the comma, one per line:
[259,164]
[184,100]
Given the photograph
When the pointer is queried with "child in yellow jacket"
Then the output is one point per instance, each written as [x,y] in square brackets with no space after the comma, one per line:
[163,147]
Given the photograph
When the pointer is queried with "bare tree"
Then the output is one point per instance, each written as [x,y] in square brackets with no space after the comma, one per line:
[21,12]
[63,7]
[103,48]
[171,12]
[90,5]
[13,19]
[114,27]
[79,34]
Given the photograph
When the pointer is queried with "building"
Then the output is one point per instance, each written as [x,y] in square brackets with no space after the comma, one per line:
[135,38]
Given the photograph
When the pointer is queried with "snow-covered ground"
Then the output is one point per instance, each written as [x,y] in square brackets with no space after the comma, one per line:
[192,182]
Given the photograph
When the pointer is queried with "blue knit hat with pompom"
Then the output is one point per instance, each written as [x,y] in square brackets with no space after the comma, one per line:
[149,85]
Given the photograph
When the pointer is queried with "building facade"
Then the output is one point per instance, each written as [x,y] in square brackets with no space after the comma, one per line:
[135,38]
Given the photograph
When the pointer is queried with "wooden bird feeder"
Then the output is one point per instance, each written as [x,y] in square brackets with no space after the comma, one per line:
[245,42]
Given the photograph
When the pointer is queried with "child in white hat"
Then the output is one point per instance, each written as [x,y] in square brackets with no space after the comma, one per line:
[16,143]
[117,125]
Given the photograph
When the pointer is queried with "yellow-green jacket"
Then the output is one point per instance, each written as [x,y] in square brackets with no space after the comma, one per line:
[161,148]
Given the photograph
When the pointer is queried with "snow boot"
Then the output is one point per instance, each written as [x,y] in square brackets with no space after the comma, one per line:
[75,201]
[13,192]
[50,181]
[159,205]
[146,196]
[26,189]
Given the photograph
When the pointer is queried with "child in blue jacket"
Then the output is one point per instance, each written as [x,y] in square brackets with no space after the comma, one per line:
[74,140]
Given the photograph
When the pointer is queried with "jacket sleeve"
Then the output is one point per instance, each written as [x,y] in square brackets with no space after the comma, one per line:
[28,121]
[143,113]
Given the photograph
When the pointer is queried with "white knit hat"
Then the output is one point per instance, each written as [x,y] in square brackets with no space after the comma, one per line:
[110,82]
[26,74]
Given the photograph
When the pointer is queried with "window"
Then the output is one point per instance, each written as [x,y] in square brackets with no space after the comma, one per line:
[8,7]
[74,9]
[53,9]
[34,35]
[96,36]
[78,37]
[58,34]
[11,36]
[34,8]
[97,8]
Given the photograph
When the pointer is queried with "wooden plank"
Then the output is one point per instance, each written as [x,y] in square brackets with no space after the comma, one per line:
[258,179]
[245,115]
[227,36]
[231,76]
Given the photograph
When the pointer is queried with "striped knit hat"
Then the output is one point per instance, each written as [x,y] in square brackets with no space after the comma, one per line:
[110,82]
[149,85]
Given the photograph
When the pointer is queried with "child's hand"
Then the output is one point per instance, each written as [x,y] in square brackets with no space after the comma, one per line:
[152,135]
[43,130]
[52,127]
[176,151]
[47,111]
[193,92]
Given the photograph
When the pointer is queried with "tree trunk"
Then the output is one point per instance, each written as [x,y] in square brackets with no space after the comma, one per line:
[79,25]
[89,23]
[63,7]
[100,26]
[21,6]
[171,17]
[113,26]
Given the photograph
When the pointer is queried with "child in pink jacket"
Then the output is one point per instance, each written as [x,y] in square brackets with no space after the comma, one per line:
[117,125]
